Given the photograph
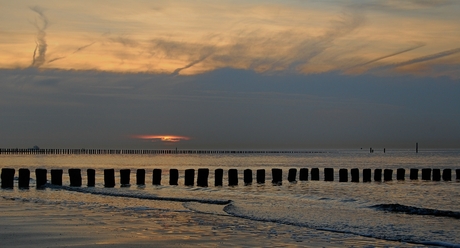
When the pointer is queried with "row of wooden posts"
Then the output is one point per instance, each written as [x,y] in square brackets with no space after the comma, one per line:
[140,151]
[7,176]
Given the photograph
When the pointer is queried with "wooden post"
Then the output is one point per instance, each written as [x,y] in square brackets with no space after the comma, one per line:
[378,175]
[75,177]
[156,177]
[292,175]
[343,175]
[56,176]
[436,174]
[457,172]
[125,177]
[7,178]
[260,176]
[140,177]
[232,177]
[173,176]
[40,175]
[202,180]
[367,175]
[109,178]
[416,147]
[277,176]
[447,174]
[388,175]
[354,175]
[218,177]
[426,174]
[91,175]
[303,174]
[328,174]
[24,178]
[315,174]
[400,174]
[247,177]
[413,174]
[189,177]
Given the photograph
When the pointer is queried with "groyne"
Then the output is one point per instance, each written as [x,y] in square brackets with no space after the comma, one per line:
[142,151]
[232,176]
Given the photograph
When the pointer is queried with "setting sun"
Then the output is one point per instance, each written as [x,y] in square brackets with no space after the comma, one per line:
[163,138]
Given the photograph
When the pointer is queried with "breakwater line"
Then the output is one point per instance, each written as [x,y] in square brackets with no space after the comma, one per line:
[32,151]
[202,179]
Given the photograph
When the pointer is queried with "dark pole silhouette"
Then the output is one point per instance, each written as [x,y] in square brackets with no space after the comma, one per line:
[91,175]
[140,177]
[378,175]
[156,177]
[247,177]
[447,175]
[413,174]
[328,174]
[41,179]
[232,177]
[277,176]
[173,176]
[315,174]
[75,177]
[354,175]
[343,175]
[24,178]
[260,176]
[189,177]
[292,175]
[218,177]
[400,174]
[202,180]
[436,175]
[56,176]
[303,174]
[367,174]
[426,174]
[109,178]
[7,178]
[387,174]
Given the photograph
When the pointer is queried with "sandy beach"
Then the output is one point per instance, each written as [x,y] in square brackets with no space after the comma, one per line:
[25,223]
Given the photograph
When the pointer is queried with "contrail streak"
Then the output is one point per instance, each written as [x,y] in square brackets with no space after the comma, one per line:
[83,47]
[429,57]
[74,52]
[39,56]
[176,72]
[388,56]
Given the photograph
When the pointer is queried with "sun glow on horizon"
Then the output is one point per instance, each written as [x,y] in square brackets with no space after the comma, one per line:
[162,138]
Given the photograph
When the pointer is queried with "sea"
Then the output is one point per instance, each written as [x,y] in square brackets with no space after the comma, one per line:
[408,212]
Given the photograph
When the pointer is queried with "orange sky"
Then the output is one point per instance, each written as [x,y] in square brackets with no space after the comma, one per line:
[182,37]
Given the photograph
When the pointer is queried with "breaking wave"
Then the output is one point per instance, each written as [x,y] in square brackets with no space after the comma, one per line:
[398,208]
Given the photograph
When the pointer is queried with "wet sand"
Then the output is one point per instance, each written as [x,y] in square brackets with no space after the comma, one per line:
[37,224]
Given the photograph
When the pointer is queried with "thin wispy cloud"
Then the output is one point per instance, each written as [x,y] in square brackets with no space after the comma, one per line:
[39,55]
[283,36]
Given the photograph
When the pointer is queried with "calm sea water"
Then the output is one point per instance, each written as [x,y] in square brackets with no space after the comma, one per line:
[410,211]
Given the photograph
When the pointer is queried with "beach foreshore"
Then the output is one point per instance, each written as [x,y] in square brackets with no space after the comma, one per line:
[26,223]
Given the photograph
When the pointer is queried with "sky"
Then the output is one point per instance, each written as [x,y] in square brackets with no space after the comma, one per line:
[230,74]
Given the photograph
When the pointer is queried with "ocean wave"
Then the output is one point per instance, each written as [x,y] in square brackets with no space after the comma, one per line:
[233,210]
[96,191]
[398,208]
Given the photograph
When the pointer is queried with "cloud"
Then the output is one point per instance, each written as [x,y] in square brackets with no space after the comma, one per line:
[39,55]
[428,57]
[389,55]
[279,37]
[162,138]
